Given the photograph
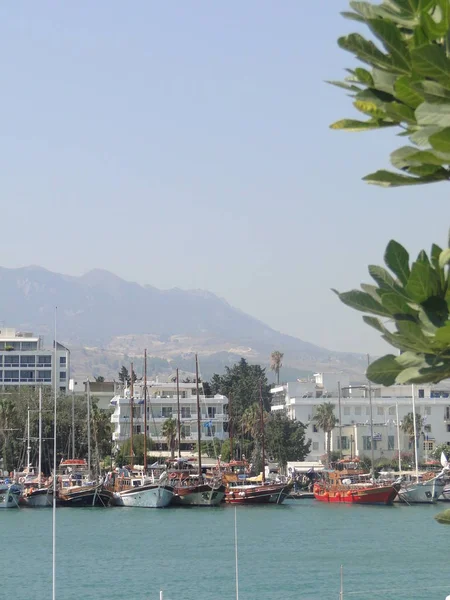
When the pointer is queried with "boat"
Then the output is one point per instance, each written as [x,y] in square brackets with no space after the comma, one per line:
[348,484]
[191,489]
[9,494]
[76,488]
[241,489]
[141,491]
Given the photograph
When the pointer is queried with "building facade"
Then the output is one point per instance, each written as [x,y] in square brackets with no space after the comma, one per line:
[390,405]
[24,361]
[161,405]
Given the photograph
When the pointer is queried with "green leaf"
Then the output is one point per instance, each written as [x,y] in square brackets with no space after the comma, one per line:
[375,323]
[432,91]
[410,359]
[441,140]
[413,333]
[431,62]
[443,335]
[367,52]
[383,278]
[392,40]
[422,135]
[372,290]
[353,125]
[363,302]
[444,258]
[422,282]
[405,92]
[433,114]
[346,86]
[396,305]
[435,29]
[369,108]
[384,81]
[364,76]
[401,112]
[384,370]
[428,170]
[389,179]
[435,254]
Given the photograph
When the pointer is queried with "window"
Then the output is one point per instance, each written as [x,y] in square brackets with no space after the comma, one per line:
[62,375]
[12,345]
[1,375]
[62,389]
[166,412]
[357,410]
[26,375]
[392,411]
[44,361]
[212,412]
[211,431]
[315,446]
[185,431]
[380,411]
[62,361]
[45,376]
[391,442]
[345,443]
[185,412]
[421,393]
[315,429]
[137,429]
[11,361]
[29,345]
[27,361]
[427,410]
[367,410]
[346,411]
[11,376]
[448,427]
[428,446]
[366,442]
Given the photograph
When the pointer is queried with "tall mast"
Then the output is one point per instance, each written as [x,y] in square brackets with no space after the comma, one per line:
[372,470]
[262,435]
[40,438]
[145,410]
[230,426]
[416,459]
[340,418]
[89,423]
[54,474]
[131,416]
[178,417]
[73,421]
[28,441]
[398,439]
[199,420]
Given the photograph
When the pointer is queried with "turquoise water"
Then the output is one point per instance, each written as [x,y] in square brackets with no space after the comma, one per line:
[293,551]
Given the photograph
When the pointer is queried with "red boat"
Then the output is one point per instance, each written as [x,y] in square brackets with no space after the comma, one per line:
[347,484]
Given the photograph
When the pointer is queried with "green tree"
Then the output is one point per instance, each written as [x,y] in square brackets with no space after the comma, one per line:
[285,439]
[169,431]
[326,420]
[276,363]
[99,379]
[438,450]
[405,85]
[123,457]
[407,427]
[124,376]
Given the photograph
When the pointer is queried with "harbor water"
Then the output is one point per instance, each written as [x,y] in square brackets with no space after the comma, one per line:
[293,551]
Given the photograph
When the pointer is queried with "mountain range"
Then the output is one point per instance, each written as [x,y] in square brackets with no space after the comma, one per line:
[106,321]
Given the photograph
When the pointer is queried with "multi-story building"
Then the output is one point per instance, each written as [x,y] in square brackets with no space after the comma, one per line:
[390,405]
[161,405]
[25,362]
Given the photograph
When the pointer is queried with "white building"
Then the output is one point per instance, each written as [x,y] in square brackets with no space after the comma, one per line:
[161,405]
[25,362]
[300,400]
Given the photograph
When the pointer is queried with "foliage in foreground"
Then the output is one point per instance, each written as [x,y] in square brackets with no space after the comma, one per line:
[406,84]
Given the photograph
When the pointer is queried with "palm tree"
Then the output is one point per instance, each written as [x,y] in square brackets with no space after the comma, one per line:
[276,363]
[407,426]
[169,431]
[326,420]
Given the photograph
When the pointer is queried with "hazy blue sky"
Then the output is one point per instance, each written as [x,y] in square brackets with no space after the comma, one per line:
[187,144]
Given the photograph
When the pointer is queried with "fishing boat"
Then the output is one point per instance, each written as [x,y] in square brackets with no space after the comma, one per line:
[191,489]
[9,494]
[76,488]
[141,491]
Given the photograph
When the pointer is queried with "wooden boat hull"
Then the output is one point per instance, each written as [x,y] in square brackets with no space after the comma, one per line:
[9,496]
[146,496]
[354,495]
[40,498]
[260,494]
[85,496]
[198,495]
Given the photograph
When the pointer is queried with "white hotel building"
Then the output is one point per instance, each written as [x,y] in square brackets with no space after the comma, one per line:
[300,399]
[161,405]
[25,362]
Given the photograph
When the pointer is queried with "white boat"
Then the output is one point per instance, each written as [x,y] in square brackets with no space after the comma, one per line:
[142,492]
[39,497]
[422,492]
[9,495]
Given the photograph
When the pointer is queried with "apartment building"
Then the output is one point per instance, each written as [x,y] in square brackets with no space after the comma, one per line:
[390,405]
[24,361]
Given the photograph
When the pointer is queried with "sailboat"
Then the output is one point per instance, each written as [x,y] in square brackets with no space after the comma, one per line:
[254,490]
[193,489]
[140,490]
[424,490]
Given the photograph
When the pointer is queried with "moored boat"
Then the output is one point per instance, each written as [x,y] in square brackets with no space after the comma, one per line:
[426,489]
[76,488]
[141,491]
[195,490]
[9,495]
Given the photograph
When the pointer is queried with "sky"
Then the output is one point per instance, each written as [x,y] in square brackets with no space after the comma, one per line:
[187,144]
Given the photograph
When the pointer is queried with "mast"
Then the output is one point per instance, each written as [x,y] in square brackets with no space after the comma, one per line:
[340,418]
[230,426]
[40,438]
[372,470]
[131,417]
[341,593]
[145,410]
[398,439]
[262,435]
[416,459]
[89,424]
[73,422]
[199,420]
[54,475]
[28,441]
[178,416]
[236,554]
